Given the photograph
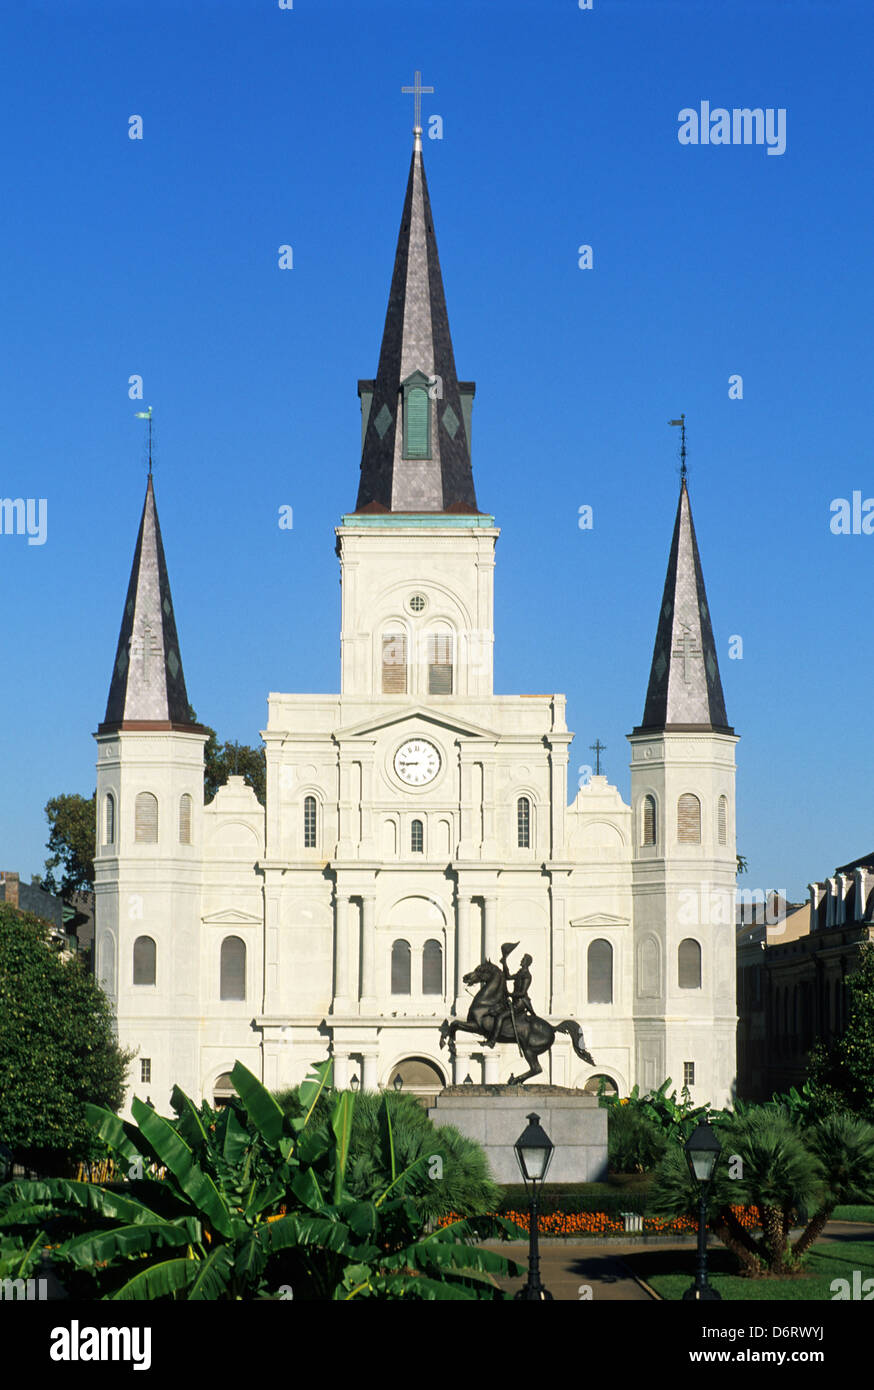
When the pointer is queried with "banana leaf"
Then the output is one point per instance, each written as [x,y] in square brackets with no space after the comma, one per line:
[311,1088]
[213,1275]
[341,1124]
[64,1193]
[176,1154]
[101,1247]
[158,1281]
[231,1137]
[120,1136]
[264,1112]
[189,1123]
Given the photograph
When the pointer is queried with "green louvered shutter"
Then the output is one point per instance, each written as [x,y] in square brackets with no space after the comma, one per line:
[417,422]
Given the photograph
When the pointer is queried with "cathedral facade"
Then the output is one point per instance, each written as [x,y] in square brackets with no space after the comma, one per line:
[415,821]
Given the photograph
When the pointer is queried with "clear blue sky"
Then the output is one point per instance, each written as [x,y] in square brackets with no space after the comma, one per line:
[265,126]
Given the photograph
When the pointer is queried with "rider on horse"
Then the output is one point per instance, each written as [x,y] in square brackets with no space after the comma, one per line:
[518,1004]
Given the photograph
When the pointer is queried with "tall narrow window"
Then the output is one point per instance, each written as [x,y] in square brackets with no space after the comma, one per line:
[146,819]
[722,820]
[689,964]
[145,1069]
[600,972]
[309,822]
[649,820]
[523,823]
[233,969]
[145,961]
[185,819]
[432,968]
[394,663]
[688,1073]
[417,837]
[689,819]
[417,423]
[400,968]
[440,663]
[109,820]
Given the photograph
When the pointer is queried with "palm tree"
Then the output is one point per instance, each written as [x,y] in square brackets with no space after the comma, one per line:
[844,1147]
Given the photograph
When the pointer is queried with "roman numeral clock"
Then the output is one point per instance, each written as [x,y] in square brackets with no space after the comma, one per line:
[417,762]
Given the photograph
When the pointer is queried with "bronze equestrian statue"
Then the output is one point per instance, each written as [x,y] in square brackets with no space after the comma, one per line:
[500,1016]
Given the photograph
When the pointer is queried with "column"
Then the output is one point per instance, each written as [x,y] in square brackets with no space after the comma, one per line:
[492,1067]
[341,1069]
[368,947]
[342,922]
[462,952]
[490,929]
[370,1075]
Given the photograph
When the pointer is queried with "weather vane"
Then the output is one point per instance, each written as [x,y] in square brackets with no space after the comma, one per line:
[147,415]
[682,423]
[416,91]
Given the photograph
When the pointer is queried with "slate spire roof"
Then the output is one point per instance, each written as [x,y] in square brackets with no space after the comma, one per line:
[685,691]
[416,339]
[148,687]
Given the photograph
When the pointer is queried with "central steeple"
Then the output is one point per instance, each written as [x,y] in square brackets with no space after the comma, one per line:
[416,414]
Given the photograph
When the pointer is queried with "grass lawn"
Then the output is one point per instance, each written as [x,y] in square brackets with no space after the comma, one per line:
[853,1214]
[670,1273]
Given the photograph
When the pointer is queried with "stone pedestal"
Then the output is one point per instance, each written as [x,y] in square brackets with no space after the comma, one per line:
[495,1116]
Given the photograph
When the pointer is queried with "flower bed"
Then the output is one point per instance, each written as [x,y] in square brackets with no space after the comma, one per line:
[598,1223]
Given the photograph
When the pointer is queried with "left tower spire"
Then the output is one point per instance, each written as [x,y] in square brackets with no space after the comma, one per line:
[147,689]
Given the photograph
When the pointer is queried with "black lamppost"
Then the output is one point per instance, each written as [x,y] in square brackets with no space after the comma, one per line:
[534,1150]
[398,1082]
[702,1150]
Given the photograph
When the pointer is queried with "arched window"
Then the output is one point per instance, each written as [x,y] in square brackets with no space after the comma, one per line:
[185,804]
[722,820]
[309,822]
[417,423]
[145,961]
[440,663]
[417,837]
[223,1090]
[233,969]
[146,819]
[432,968]
[523,823]
[394,663]
[109,819]
[649,820]
[401,977]
[600,971]
[689,964]
[689,819]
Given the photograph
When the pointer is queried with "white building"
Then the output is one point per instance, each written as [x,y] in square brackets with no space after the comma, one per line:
[415,820]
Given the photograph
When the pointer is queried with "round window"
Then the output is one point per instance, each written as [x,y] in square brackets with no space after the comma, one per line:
[417,602]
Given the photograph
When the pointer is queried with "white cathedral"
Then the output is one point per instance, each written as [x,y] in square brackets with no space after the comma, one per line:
[416,820]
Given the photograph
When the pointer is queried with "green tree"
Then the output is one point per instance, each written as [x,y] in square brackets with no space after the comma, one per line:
[71,821]
[57,1048]
[223,760]
[842,1076]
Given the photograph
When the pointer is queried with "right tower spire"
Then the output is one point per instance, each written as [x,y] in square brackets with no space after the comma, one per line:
[685,690]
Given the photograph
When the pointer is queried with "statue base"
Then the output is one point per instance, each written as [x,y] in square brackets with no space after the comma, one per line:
[495,1117]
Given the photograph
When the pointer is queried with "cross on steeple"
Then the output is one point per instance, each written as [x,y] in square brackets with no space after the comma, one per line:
[682,423]
[686,649]
[416,91]
[598,748]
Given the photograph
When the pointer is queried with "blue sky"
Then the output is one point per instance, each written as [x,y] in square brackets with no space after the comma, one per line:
[264,127]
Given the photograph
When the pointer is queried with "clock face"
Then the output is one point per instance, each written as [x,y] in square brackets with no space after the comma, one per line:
[417,762]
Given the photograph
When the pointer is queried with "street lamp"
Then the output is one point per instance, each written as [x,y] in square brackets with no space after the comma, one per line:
[355,1082]
[702,1150]
[398,1081]
[534,1150]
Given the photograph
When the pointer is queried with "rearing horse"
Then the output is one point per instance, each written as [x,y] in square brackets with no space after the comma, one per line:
[534,1035]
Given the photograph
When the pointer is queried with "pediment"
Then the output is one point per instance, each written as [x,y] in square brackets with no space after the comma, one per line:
[600,919]
[230,916]
[388,718]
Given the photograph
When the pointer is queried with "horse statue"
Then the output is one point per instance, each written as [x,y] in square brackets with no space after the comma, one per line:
[501,1017]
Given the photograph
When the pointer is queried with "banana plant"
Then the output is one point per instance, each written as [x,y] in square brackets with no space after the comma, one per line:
[243,1203]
